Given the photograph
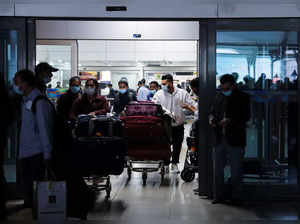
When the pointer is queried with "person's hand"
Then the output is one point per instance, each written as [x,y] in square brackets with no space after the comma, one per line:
[224,122]
[92,113]
[51,175]
[188,107]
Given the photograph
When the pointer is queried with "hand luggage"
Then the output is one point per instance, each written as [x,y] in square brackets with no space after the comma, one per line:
[99,126]
[98,156]
[144,108]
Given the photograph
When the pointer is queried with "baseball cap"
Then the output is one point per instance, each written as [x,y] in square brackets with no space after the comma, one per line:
[44,66]
[123,80]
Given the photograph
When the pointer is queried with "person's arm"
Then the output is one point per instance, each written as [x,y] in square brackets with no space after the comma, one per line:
[75,108]
[140,95]
[189,103]
[44,120]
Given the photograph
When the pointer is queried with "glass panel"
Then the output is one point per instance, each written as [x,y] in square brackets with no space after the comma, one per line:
[265,65]
[11,58]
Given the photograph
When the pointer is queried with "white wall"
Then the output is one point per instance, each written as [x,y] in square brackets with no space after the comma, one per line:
[59,29]
[152,9]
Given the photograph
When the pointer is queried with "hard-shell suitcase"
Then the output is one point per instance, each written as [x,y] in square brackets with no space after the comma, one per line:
[143,108]
[146,138]
[100,126]
[99,156]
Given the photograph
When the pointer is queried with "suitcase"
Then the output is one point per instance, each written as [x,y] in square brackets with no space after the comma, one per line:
[100,126]
[98,156]
[146,138]
[144,108]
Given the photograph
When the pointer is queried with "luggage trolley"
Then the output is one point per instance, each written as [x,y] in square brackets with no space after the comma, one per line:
[99,151]
[148,147]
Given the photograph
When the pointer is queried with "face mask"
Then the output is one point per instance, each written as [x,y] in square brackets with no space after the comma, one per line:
[17,90]
[47,79]
[165,88]
[75,89]
[153,91]
[90,91]
[122,91]
[227,93]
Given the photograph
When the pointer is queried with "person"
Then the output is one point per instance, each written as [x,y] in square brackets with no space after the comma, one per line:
[228,117]
[112,92]
[153,90]
[80,198]
[58,85]
[65,102]
[143,91]
[123,97]
[90,102]
[173,100]
[195,89]
[4,125]
[35,141]
[43,72]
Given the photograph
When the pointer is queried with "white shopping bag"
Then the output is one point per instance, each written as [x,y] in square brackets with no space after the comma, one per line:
[51,202]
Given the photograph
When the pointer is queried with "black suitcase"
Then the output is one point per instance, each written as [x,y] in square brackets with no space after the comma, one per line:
[99,156]
[101,126]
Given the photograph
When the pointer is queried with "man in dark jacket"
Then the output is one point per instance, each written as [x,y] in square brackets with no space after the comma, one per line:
[124,96]
[65,102]
[228,117]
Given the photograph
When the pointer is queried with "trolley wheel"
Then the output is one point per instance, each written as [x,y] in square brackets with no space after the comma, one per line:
[187,175]
[144,176]
[129,172]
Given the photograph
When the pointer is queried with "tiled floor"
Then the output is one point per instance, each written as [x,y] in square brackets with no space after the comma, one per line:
[172,201]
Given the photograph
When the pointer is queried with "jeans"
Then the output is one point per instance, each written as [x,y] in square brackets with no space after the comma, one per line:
[233,156]
[177,139]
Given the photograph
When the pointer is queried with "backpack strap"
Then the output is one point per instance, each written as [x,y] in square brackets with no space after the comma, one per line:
[36,99]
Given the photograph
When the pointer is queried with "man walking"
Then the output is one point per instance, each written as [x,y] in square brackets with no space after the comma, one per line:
[173,100]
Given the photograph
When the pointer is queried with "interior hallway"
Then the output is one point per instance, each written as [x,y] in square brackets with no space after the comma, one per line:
[172,201]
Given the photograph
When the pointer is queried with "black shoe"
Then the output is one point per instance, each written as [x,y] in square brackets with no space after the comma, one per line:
[218,201]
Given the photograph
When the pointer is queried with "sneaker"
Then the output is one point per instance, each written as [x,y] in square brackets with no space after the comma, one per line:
[174,168]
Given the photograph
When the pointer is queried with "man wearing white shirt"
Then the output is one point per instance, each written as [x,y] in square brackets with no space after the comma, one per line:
[173,100]
[143,92]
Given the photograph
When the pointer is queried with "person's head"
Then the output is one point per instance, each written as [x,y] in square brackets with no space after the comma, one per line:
[109,86]
[58,83]
[140,84]
[195,85]
[154,85]
[167,83]
[75,84]
[123,85]
[227,84]
[24,82]
[91,87]
[44,71]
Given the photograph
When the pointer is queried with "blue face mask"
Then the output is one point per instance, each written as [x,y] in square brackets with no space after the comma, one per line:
[17,90]
[122,91]
[165,88]
[227,93]
[75,89]
[47,79]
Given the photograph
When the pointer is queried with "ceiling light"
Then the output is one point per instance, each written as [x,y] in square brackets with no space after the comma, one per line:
[226,51]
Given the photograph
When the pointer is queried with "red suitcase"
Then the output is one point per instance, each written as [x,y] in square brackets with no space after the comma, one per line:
[143,108]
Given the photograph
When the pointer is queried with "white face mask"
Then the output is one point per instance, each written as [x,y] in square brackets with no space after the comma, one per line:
[90,91]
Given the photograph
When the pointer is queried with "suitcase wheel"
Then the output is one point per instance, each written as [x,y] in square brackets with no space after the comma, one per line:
[187,175]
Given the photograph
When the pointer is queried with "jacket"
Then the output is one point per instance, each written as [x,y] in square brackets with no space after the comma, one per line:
[236,107]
